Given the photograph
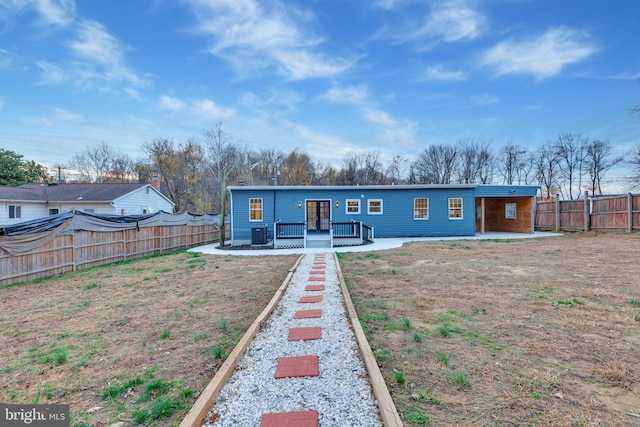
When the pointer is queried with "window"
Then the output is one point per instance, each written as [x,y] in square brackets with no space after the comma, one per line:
[255,209]
[353,206]
[375,206]
[15,211]
[510,210]
[54,211]
[455,208]
[420,208]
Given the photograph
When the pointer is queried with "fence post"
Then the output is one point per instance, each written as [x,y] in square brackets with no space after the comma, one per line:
[557,213]
[630,211]
[586,211]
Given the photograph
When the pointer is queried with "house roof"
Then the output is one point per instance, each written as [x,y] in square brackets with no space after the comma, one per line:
[105,192]
[376,187]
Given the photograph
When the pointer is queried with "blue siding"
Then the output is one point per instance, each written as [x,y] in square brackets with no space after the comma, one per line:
[506,190]
[397,219]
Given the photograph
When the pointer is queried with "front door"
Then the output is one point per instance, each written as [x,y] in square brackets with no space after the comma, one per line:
[318,215]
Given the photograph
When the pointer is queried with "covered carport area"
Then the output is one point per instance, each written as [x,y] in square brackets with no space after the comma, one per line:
[510,213]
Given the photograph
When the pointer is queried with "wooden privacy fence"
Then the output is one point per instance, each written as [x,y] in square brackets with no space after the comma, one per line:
[618,213]
[84,249]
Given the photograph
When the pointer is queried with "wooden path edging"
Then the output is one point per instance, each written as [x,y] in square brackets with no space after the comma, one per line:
[387,408]
[198,412]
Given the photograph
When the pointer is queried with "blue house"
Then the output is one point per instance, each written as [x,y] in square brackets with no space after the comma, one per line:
[326,216]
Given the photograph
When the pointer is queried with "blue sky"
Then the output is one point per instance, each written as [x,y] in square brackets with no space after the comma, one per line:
[329,77]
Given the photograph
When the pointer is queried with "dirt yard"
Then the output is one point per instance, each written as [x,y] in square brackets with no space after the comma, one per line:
[468,333]
[506,333]
[133,341]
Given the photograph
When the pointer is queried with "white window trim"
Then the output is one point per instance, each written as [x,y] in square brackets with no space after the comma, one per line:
[461,209]
[414,209]
[261,209]
[346,206]
[507,213]
[369,207]
[17,211]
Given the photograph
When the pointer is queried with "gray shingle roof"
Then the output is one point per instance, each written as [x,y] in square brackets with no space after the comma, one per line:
[68,192]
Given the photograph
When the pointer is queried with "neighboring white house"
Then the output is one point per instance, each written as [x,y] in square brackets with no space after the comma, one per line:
[32,201]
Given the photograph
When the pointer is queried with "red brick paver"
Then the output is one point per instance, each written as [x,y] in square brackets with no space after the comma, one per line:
[316,279]
[290,419]
[317,272]
[308,314]
[297,366]
[305,334]
[310,299]
[314,288]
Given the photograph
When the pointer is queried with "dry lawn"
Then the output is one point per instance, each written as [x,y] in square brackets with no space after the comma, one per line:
[506,333]
[131,341]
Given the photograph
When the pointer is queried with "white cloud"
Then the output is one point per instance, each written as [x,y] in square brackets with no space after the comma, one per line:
[67,116]
[50,73]
[254,35]
[6,58]
[56,12]
[357,95]
[484,99]
[208,108]
[441,73]
[325,148]
[49,12]
[387,4]
[543,56]
[2,103]
[452,21]
[170,103]
[98,61]
[360,97]
[448,21]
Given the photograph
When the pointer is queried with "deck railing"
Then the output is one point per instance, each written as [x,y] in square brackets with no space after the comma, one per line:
[367,233]
[289,230]
[346,229]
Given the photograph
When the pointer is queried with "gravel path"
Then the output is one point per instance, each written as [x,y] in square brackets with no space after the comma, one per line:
[341,393]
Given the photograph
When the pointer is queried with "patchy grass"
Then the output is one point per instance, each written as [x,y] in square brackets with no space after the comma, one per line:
[535,332]
[132,338]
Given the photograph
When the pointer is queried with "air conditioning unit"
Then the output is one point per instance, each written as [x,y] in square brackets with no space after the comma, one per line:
[259,235]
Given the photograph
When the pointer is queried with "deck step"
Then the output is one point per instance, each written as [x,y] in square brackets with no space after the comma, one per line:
[318,243]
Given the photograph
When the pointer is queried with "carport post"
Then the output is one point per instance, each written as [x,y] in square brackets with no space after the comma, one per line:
[630,211]
[557,213]
[586,210]
[482,215]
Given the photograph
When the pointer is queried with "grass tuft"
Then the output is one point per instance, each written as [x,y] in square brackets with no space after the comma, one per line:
[406,323]
[443,358]
[459,377]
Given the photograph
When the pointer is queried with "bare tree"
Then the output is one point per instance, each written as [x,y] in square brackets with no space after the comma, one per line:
[227,159]
[547,168]
[570,148]
[325,174]
[94,163]
[435,165]
[362,169]
[264,165]
[397,170]
[597,162]
[122,169]
[475,161]
[512,161]
[297,169]
[633,160]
